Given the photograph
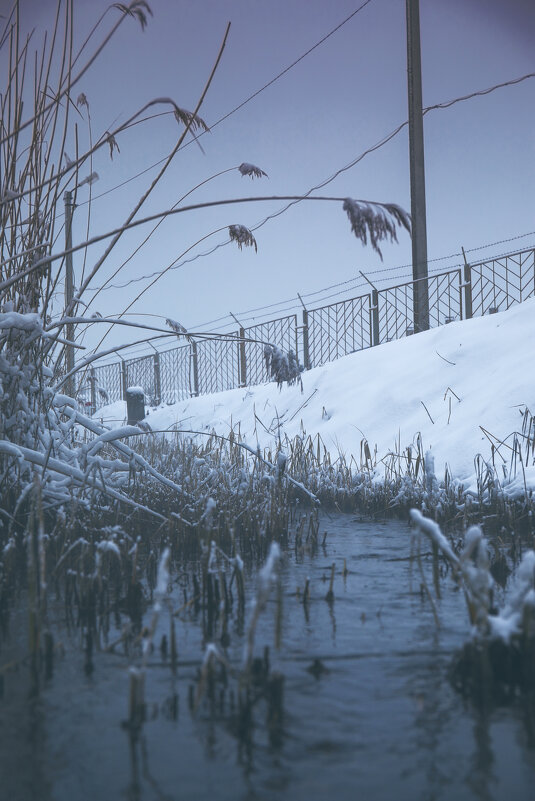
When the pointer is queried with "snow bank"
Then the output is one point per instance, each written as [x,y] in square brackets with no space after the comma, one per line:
[447,384]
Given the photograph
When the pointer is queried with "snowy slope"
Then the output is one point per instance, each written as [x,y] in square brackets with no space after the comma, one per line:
[468,374]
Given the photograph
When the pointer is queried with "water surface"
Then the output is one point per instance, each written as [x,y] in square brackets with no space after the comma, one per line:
[375,717]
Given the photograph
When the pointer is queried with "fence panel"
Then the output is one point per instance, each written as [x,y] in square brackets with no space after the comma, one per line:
[176,380]
[218,364]
[395,312]
[500,283]
[338,329]
[109,384]
[445,298]
[396,305]
[281,332]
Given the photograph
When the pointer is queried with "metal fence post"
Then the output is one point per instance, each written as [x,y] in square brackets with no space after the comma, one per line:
[157,378]
[124,382]
[195,369]
[242,368]
[467,286]
[93,386]
[374,317]
[306,350]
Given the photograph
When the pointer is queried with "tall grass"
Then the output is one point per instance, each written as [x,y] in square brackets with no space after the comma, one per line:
[41,112]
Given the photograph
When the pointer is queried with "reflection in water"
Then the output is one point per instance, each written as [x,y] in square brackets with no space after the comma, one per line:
[139,766]
[24,748]
[330,604]
[480,776]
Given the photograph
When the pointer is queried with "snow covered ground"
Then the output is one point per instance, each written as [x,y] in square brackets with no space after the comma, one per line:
[446,384]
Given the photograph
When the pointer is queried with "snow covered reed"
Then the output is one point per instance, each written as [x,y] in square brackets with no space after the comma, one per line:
[376,221]
[500,657]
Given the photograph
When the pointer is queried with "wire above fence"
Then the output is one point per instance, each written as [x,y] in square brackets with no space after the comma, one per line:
[204,365]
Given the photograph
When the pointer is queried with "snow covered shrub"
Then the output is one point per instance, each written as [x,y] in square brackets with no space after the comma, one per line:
[282,366]
[28,421]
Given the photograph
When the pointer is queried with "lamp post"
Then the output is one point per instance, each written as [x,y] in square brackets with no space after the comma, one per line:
[417,169]
[69,279]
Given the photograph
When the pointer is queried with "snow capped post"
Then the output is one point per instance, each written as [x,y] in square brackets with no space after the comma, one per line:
[135,405]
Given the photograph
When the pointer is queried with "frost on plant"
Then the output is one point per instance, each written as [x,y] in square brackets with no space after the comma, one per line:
[472,568]
[475,570]
[187,118]
[266,578]
[112,143]
[242,235]
[178,328]
[162,580]
[518,616]
[251,170]
[282,366]
[376,221]
[137,9]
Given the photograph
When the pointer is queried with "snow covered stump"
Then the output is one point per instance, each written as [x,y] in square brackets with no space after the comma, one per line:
[135,405]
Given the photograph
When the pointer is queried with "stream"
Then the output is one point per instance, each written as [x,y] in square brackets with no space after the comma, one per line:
[368,710]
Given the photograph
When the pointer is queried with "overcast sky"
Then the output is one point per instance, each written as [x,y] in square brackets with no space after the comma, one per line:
[340,100]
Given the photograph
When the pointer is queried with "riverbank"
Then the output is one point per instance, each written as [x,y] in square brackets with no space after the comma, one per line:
[464,389]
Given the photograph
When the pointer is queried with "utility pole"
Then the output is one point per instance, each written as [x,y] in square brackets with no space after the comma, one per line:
[417,168]
[69,290]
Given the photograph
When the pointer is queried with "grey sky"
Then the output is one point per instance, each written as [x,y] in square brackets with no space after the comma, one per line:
[340,100]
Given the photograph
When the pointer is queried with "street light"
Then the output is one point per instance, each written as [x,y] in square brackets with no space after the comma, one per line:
[69,280]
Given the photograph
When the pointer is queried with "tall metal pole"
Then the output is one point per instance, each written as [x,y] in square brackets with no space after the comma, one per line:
[417,168]
[69,290]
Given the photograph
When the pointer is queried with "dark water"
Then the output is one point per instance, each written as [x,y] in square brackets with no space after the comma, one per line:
[381,721]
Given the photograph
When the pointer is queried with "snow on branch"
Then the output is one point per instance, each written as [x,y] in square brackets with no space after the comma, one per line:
[376,221]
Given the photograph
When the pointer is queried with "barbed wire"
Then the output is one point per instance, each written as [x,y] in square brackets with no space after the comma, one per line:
[295,304]
[386,270]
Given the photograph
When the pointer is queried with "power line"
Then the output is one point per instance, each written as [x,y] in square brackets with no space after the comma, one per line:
[292,65]
[243,103]
[480,92]
[345,168]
